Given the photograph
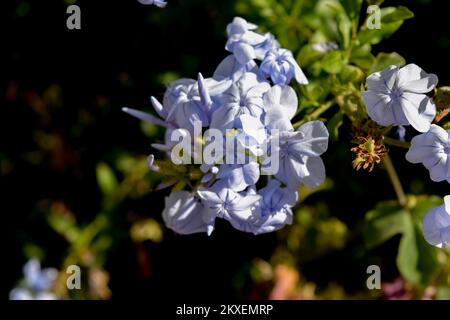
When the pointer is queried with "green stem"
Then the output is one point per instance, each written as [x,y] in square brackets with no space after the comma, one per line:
[315,114]
[394,179]
[397,143]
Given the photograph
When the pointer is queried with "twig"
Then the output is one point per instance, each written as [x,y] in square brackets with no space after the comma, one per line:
[394,179]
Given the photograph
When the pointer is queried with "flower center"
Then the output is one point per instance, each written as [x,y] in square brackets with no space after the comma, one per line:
[396,94]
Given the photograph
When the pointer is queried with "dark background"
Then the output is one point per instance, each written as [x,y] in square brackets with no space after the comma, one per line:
[114,61]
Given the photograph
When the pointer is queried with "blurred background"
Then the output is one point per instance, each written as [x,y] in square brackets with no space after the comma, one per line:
[75,189]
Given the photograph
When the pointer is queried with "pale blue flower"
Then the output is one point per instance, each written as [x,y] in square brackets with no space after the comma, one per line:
[37,283]
[280,65]
[436,225]
[280,104]
[300,161]
[173,92]
[270,213]
[252,136]
[231,69]
[243,97]
[239,26]
[245,44]
[274,208]
[185,102]
[227,204]
[183,213]
[397,97]
[432,149]
[158,3]
[188,107]
[239,176]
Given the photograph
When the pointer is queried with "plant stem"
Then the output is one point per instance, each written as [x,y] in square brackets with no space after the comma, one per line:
[394,179]
[397,143]
[315,114]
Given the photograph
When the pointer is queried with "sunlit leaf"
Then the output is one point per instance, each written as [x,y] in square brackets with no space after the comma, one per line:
[106,179]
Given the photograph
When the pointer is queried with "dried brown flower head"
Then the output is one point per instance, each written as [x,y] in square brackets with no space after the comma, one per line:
[369,150]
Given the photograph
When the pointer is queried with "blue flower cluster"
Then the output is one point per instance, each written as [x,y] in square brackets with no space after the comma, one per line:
[249,102]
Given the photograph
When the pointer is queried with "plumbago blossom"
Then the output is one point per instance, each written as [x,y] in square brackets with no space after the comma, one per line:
[233,133]
[36,284]
[396,96]
[436,225]
[432,149]
[158,3]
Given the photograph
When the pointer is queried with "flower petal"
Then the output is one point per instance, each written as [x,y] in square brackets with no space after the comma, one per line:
[418,110]
[412,78]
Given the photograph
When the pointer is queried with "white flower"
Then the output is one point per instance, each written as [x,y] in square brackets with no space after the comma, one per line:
[433,150]
[184,213]
[397,97]
[436,225]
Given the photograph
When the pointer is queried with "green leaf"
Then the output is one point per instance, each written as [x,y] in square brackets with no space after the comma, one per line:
[395,14]
[334,125]
[352,7]
[416,259]
[408,255]
[422,204]
[308,55]
[362,56]
[328,8]
[374,36]
[314,91]
[333,62]
[391,19]
[351,74]
[65,225]
[384,60]
[384,222]
[345,29]
[106,179]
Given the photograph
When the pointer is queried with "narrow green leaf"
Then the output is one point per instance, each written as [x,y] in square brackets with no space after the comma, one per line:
[345,29]
[395,14]
[106,179]
[352,7]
